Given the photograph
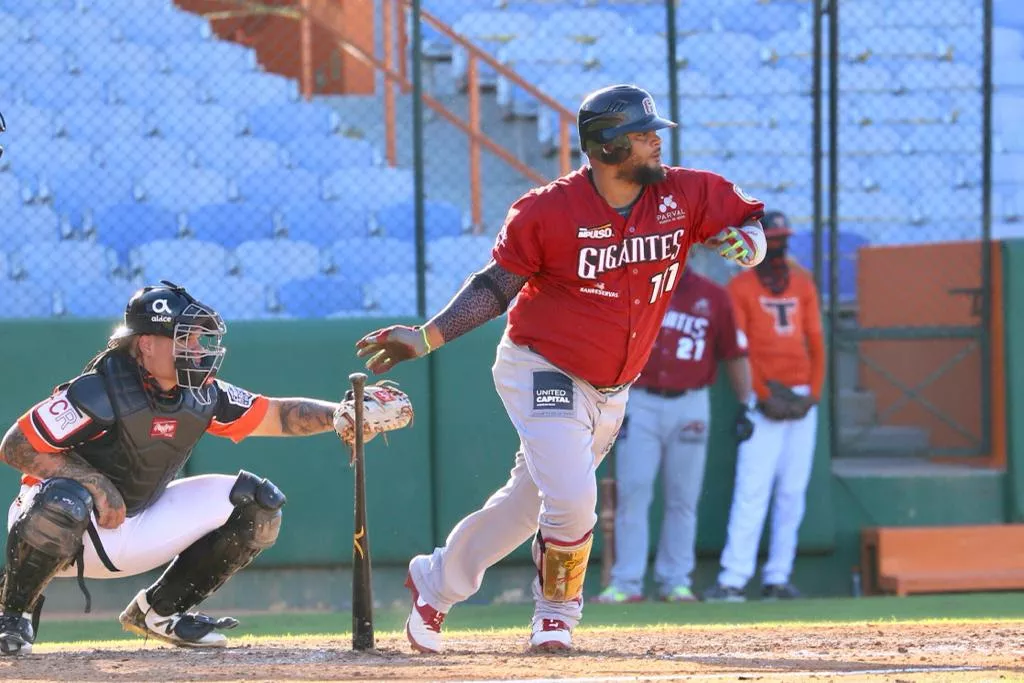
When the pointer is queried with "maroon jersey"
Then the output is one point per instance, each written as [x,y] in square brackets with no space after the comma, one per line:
[699,330]
[599,283]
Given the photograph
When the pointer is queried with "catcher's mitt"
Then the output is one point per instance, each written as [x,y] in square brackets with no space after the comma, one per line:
[783,403]
[385,407]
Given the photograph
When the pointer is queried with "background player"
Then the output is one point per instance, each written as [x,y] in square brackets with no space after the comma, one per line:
[777,307]
[102,450]
[666,428]
[591,260]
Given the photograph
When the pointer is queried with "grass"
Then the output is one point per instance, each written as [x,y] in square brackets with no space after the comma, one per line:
[485,618]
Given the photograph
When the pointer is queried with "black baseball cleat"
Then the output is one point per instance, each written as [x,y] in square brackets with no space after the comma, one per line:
[184,630]
[780,591]
[16,634]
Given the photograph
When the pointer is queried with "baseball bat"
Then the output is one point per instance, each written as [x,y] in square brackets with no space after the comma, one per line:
[362,588]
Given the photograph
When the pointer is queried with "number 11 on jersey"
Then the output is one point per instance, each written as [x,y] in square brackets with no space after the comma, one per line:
[664,281]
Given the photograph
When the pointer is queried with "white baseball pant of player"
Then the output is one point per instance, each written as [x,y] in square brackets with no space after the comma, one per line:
[553,483]
[779,455]
[189,509]
[670,434]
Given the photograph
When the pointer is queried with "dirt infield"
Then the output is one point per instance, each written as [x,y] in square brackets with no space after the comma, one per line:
[940,651]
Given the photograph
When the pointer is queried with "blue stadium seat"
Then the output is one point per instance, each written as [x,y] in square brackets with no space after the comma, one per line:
[249,89]
[952,13]
[720,53]
[706,111]
[764,82]
[276,261]
[116,8]
[70,29]
[89,187]
[156,90]
[124,226]
[101,299]
[883,42]
[88,262]
[440,219]
[757,18]
[324,155]
[903,108]
[115,59]
[136,157]
[953,205]
[867,78]
[33,122]
[26,300]
[236,156]
[360,257]
[459,256]
[184,121]
[369,188]
[58,90]
[585,25]
[1008,169]
[771,141]
[787,110]
[231,224]
[190,263]
[12,30]
[868,140]
[12,193]
[96,123]
[395,293]
[181,189]
[175,31]
[202,60]
[22,61]
[284,122]
[1008,75]
[46,155]
[28,224]
[322,224]
[937,139]
[873,206]
[939,76]
[277,187]
[316,297]
[1008,114]
[488,30]
[235,298]
[27,8]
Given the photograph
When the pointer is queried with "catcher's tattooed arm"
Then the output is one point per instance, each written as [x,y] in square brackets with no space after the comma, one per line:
[17,452]
[484,297]
[297,416]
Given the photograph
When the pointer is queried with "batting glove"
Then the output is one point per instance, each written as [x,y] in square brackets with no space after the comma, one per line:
[734,245]
[390,346]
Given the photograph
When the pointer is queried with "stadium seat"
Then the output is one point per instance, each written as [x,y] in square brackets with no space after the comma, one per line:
[395,293]
[459,256]
[585,25]
[317,297]
[1008,169]
[190,263]
[718,113]
[185,121]
[277,187]
[108,60]
[867,140]
[90,187]
[937,139]
[21,62]
[876,206]
[757,18]
[952,13]
[324,155]
[231,224]
[764,82]
[96,123]
[276,261]
[180,189]
[285,122]
[939,76]
[719,53]
[33,122]
[908,174]
[176,32]
[369,188]
[488,30]
[50,262]
[137,157]
[235,298]
[57,91]
[249,89]
[155,90]
[100,299]
[440,219]
[12,194]
[322,224]
[885,42]
[235,157]
[29,224]
[125,226]
[12,30]
[69,29]
[360,257]
[26,300]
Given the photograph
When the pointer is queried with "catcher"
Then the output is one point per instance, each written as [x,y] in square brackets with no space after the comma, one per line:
[98,457]
[777,308]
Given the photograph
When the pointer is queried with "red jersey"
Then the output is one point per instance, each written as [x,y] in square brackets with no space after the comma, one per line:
[599,284]
[698,331]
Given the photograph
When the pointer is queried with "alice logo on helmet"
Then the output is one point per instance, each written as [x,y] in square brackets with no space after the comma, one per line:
[197,330]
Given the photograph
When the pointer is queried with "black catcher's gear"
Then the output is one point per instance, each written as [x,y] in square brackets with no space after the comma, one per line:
[45,539]
[607,115]
[168,310]
[204,566]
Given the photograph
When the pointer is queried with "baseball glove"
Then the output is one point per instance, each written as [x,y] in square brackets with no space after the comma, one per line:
[385,408]
[783,403]
[744,427]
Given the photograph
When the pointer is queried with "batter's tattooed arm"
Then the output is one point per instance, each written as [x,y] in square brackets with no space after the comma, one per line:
[17,452]
[484,297]
[296,417]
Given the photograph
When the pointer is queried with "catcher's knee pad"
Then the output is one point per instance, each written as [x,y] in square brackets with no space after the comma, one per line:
[562,566]
[44,539]
[207,564]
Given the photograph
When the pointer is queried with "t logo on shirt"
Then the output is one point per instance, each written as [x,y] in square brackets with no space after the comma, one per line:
[783,311]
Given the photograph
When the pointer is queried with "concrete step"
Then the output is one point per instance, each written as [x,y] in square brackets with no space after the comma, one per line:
[856,408]
[882,440]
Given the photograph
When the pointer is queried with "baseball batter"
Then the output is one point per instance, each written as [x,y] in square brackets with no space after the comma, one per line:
[591,261]
[99,455]
[666,428]
[777,307]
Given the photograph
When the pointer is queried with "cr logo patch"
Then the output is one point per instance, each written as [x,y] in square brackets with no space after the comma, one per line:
[553,393]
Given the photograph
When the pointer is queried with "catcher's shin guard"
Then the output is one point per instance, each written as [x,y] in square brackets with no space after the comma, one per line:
[45,539]
[207,564]
[562,566]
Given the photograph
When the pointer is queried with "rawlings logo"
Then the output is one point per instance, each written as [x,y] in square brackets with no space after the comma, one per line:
[163,428]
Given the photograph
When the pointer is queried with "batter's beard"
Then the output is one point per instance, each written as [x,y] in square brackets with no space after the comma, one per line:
[642,174]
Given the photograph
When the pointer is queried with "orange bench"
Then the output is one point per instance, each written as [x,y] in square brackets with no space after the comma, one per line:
[905,560]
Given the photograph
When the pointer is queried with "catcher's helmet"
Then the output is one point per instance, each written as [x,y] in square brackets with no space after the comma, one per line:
[606,115]
[167,310]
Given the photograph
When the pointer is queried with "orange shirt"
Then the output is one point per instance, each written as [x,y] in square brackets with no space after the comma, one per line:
[783,331]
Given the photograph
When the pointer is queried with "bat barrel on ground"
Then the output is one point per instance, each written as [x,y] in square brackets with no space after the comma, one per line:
[362,586]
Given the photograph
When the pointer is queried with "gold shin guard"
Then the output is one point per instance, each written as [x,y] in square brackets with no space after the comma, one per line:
[563,567]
